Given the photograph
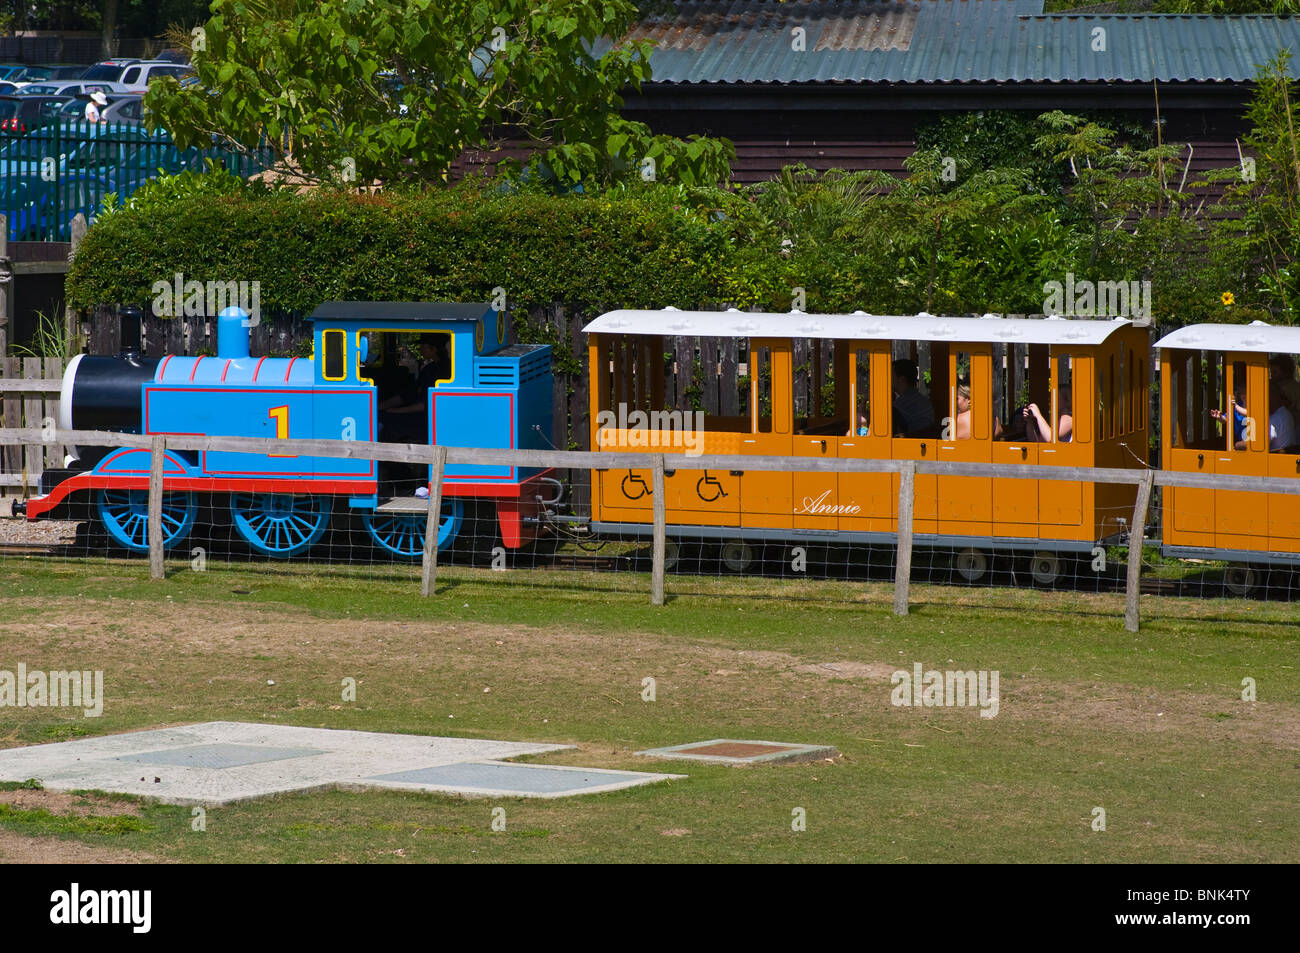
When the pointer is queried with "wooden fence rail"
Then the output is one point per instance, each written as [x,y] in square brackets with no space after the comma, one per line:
[439,456]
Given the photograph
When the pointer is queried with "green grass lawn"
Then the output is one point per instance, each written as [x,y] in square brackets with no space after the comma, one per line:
[1149,726]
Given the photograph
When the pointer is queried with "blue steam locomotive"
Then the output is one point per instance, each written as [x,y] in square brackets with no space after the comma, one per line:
[487,392]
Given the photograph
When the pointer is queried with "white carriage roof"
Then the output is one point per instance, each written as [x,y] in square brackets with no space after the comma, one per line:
[859,326]
[1256,336]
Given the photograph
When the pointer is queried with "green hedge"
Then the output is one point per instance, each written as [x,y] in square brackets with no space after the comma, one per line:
[624,248]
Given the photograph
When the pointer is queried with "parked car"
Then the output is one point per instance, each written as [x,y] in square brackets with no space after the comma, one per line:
[67,70]
[112,151]
[136,77]
[71,87]
[135,74]
[122,107]
[6,87]
[111,70]
[37,210]
[21,114]
[30,74]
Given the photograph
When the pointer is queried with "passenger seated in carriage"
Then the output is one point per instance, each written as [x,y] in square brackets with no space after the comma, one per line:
[961,425]
[913,412]
[1038,428]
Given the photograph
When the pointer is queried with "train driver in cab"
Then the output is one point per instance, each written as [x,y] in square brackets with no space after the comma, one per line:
[403,415]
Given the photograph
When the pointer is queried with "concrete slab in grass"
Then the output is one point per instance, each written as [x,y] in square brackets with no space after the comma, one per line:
[500,779]
[732,751]
[220,762]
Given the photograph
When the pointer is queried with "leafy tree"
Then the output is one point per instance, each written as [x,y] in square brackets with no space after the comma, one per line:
[1112,189]
[1257,241]
[398,89]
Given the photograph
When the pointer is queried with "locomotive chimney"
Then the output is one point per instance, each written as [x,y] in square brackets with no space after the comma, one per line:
[232,333]
[129,317]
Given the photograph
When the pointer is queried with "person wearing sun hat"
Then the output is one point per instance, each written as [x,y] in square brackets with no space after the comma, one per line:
[97,101]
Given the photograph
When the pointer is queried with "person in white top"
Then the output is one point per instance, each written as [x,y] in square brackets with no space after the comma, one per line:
[97,101]
[1281,424]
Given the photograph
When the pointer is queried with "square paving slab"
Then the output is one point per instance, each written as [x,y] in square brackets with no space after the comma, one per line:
[731,751]
[500,779]
[223,762]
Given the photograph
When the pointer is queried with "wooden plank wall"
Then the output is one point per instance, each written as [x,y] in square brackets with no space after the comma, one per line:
[22,465]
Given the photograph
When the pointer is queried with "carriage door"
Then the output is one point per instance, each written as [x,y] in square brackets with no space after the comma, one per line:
[931,359]
[765,495]
[1241,519]
[1015,502]
[871,499]
[1061,501]
[965,504]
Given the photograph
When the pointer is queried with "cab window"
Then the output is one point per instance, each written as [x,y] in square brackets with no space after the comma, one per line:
[335,349]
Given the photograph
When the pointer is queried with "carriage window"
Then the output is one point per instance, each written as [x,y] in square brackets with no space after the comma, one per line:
[963,414]
[1284,398]
[1063,399]
[862,393]
[1141,395]
[1121,396]
[1232,410]
[1103,381]
[761,388]
[335,346]
[919,375]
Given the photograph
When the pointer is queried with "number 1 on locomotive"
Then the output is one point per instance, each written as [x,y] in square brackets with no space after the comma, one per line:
[281,417]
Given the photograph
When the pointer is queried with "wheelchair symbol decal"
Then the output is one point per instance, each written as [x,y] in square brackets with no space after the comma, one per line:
[637,481]
[709,483]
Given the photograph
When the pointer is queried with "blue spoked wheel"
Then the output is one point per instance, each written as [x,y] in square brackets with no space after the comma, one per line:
[280,524]
[402,534]
[125,515]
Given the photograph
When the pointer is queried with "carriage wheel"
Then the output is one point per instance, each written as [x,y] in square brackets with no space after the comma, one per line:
[125,516]
[672,554]
[1045,567]
[1240,580]
[402,534]
[971,564]
[737,555]
[280,524]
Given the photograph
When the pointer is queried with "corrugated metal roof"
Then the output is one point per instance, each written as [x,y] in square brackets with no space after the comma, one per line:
[951,41]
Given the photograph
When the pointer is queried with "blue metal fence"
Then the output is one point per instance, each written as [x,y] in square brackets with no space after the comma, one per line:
[52,173]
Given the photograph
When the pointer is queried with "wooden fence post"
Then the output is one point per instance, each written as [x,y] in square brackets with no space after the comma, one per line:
[660,534]
[157,455]
[1136,532]
[6,288]
[903,563]
[429,565]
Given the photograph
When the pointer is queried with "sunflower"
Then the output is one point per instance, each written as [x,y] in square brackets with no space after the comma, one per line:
[1227,299]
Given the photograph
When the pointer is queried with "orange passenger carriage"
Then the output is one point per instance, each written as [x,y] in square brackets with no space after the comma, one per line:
[1220,415]
[1087,382]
